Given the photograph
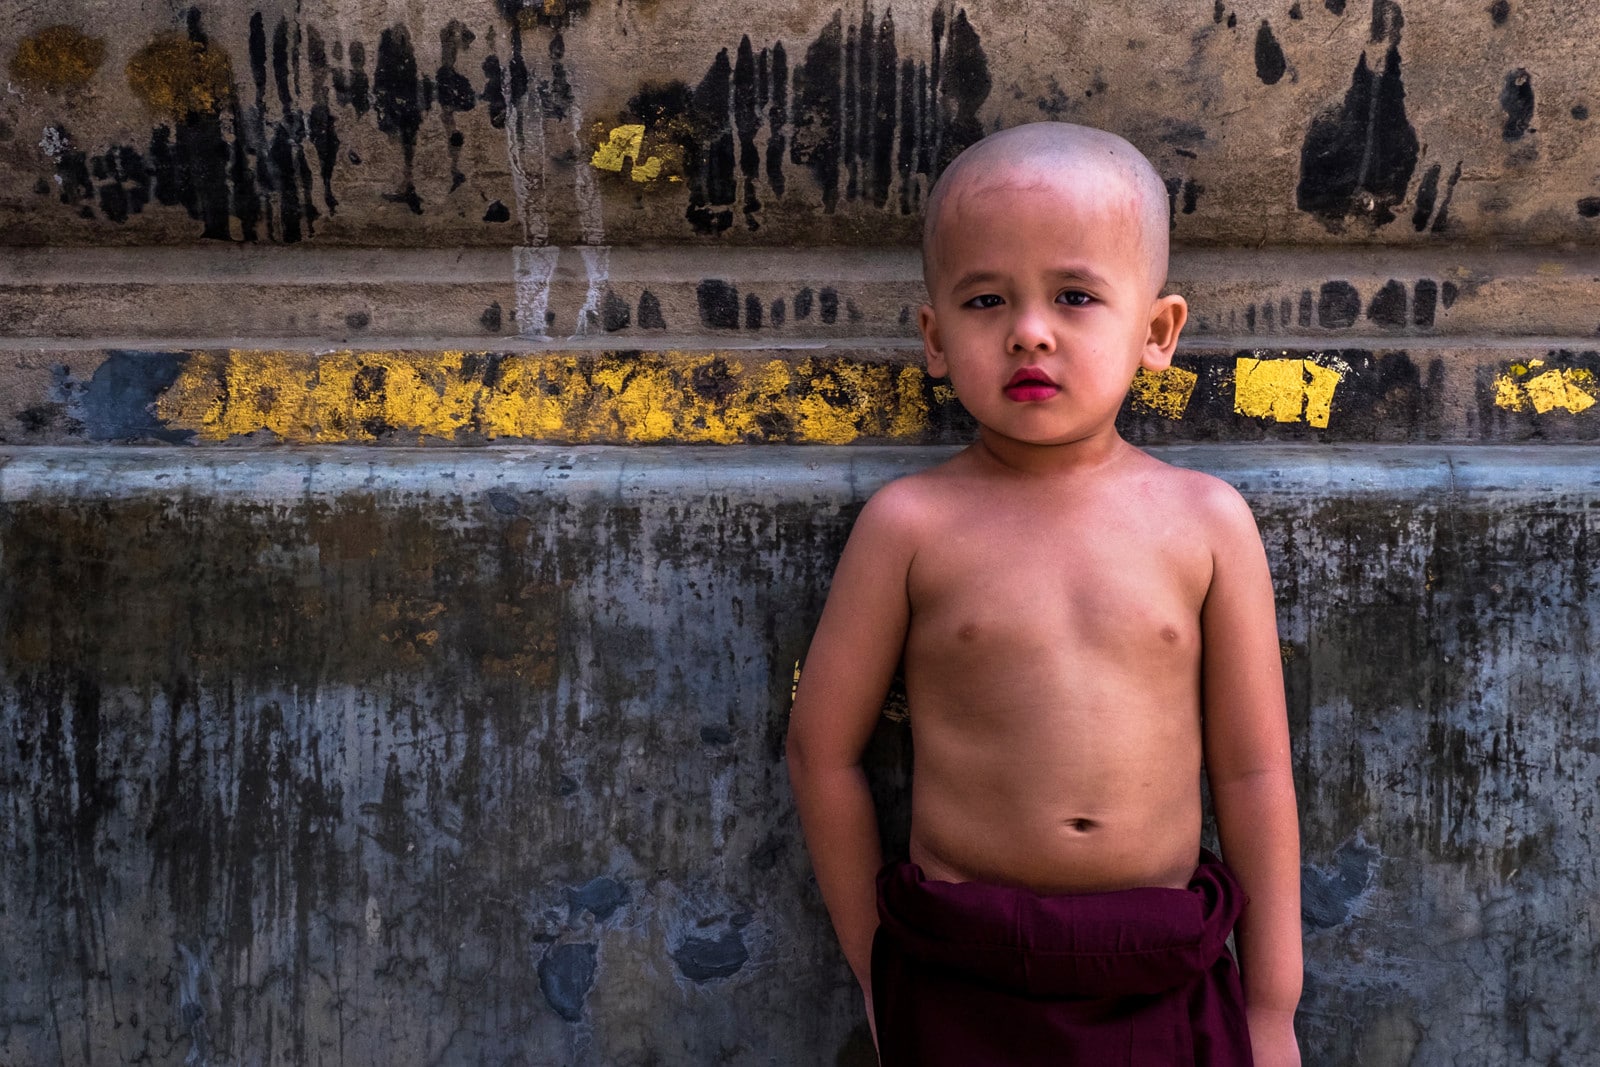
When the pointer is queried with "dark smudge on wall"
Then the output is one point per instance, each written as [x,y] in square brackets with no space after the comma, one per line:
[262,160]
[1358,156]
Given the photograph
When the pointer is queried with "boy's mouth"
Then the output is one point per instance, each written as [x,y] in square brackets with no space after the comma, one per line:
[1031,383]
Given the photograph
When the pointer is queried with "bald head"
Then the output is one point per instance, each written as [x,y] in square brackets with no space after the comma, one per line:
[1099,166]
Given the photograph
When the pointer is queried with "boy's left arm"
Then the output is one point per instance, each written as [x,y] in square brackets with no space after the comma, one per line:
[1252,784]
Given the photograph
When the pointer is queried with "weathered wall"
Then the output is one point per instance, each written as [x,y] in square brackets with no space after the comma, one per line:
[476,757]
[567,121]
[459,742]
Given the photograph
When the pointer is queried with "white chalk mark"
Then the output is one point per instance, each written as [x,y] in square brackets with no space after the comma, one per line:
[597,263]
[534,217]
[532,269]
[591,218]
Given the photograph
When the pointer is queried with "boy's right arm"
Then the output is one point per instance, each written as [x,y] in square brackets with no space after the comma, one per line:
[852,659]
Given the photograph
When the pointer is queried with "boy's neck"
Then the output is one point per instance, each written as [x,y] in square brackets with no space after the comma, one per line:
[1067,459]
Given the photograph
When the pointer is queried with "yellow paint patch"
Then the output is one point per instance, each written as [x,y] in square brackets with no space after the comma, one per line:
[175,76]
[640,398]
[1565,389]
[1285,390]
[57,58]
[627,143]
[1166,393]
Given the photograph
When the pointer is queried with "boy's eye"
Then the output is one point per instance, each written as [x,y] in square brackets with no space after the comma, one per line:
[985,300]
[1076,298]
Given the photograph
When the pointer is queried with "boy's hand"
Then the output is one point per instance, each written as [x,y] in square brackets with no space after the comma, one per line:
[1272,1040]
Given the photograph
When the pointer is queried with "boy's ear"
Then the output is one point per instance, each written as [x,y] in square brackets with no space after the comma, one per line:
[1167,316]
[932,343]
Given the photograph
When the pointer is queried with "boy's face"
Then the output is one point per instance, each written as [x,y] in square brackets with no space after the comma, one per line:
[1043,305]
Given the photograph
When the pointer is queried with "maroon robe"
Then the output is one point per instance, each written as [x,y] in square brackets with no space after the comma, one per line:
[966,974]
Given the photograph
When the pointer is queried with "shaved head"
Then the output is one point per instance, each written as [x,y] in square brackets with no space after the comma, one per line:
[1094,167]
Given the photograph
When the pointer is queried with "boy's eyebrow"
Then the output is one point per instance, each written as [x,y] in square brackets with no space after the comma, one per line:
[1072,273]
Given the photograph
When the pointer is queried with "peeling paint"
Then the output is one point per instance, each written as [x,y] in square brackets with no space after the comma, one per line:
[636,398]
[1284,390]
[174,75]
[1166,393]
[57,58]
[623,145]
[1571,389]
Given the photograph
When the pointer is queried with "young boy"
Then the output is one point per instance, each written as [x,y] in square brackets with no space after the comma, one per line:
[1079,625]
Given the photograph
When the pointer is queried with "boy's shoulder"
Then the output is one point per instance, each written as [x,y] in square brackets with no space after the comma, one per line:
[1199,501]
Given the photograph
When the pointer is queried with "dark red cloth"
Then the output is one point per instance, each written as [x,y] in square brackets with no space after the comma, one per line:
[966,974]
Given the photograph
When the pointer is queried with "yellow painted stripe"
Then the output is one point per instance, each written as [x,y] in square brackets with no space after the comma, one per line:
[1166,393]
[1284,390]
[1571,389]
[638,398]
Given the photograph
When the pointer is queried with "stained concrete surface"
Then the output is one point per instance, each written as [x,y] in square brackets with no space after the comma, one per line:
[534,122]
[475,757]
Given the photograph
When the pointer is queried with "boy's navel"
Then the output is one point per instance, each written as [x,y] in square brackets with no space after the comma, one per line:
[968,631]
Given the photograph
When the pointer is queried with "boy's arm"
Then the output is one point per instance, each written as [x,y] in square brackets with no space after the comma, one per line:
[1252,784]
[847,671]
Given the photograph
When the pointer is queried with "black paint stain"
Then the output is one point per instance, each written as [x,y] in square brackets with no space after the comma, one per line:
[714,381]
[1516,100]
[747,122]
[454,91]
[116,403]
[1427,194]
[323,128]
[1338,305]
[1295,13]
[358,320]
[965,86]
[650,317]
[719,304]
[1233,20]
[491,318]
[1442,219]
[1270,63]
[1218,10]
[352,88]
[1304,316]
[1358,157]
[702,959]
[1388,305]
[1387,21]
[778,312]
[778,118]
[1580,112]
[1335,6]
[125,185]
[497,212]
[818,105]
[708,151]
[802,303]
[566,974]
[1499,11]
[1191,195]
[829,303]
[615,313]
[882,142]
[398,102]
[1589,207]
[1447,294]
[1424,298]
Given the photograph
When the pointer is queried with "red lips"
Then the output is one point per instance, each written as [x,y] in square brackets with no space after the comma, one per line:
[1031,384]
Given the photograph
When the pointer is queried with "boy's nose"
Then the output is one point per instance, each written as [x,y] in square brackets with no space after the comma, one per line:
[1031,333]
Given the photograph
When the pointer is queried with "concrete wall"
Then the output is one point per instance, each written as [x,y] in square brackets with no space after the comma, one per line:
[368,692]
